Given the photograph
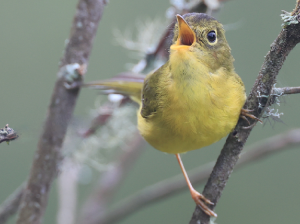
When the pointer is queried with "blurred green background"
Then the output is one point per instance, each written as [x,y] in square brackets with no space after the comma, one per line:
[31,44]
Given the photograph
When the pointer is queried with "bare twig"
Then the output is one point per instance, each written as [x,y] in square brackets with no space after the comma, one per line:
[48,156]
[97,202]
[287,90]
[105,113]
[174,185]
[7,134]
[11,205]
[280,48]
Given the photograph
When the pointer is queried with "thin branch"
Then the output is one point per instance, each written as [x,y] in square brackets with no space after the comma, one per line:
[105,113]
[102,194]
[177,184]
[286,90]
[48,156]
[11,205]
[257,101]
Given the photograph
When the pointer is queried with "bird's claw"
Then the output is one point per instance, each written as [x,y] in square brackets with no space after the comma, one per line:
[200,200]
[246,113]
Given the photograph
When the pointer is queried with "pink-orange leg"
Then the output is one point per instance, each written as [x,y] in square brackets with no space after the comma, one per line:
[197,197]
[246,113]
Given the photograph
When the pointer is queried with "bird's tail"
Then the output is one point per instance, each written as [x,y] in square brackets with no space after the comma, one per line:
[130,84]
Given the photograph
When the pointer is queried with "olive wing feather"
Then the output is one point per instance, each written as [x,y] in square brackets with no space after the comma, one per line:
[150,93]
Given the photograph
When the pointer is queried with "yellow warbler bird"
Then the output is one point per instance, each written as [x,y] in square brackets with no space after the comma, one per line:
[194,99]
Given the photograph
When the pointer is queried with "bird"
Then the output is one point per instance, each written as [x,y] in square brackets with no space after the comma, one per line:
[195,99]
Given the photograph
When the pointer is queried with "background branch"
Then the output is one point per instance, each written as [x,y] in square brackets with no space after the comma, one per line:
[258,101]
[67,192]
[11,205]
[97,202]
[48,155]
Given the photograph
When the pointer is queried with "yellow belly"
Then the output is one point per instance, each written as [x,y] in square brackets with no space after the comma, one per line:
[188,128]
[195,111]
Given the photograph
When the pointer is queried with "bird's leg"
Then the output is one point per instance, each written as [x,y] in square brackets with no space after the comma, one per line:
[197,197]
[246,113]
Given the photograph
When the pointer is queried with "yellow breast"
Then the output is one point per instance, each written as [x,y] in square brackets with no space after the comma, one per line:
[197,106]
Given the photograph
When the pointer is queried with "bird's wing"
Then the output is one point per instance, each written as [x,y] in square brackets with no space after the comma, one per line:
[150,92]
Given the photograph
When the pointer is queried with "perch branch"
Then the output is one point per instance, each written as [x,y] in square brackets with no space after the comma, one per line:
[48,156]
[257,101]
[174,185]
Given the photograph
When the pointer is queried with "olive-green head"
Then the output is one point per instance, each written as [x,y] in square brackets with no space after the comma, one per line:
[204,35]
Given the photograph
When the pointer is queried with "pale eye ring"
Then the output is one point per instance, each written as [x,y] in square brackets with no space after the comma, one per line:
[211,36]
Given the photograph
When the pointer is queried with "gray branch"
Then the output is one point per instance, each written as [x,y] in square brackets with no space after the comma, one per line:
[48,157]
[286,90]
[11,205]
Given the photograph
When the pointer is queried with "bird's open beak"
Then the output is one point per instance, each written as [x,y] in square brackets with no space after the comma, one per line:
[186,36]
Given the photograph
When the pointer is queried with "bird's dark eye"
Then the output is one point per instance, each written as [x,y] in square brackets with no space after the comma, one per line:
[211,36]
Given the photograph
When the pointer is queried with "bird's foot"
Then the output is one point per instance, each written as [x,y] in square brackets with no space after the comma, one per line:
[246,113]
[200,200]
